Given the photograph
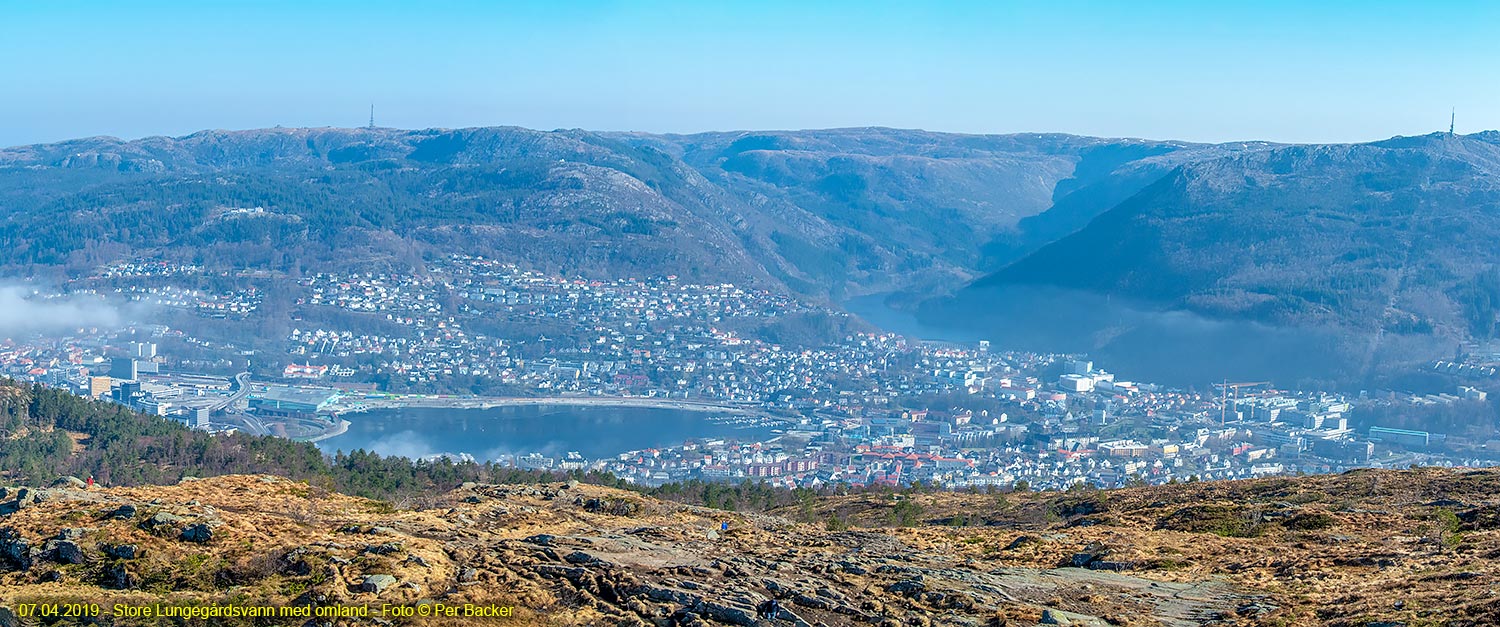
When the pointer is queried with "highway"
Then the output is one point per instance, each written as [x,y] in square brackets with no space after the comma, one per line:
[241,387]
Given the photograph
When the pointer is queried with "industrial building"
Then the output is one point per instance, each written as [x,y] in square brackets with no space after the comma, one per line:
[280,400]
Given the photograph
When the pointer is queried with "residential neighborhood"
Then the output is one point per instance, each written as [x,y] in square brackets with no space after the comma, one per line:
[843,403]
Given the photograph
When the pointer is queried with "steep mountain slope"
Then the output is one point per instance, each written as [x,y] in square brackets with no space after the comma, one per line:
[1377,240]
[929,207]
[1359,235]
[820,212]
[282,198]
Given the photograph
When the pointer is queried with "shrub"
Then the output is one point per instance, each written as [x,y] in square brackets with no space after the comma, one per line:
[1312,521]
[1231,521]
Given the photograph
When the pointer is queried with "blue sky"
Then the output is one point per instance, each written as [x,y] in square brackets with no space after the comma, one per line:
[1206,71]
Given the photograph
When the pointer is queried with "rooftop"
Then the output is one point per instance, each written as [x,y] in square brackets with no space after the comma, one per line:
[316,397]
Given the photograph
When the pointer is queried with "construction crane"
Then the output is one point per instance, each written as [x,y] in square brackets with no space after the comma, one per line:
[1224,395]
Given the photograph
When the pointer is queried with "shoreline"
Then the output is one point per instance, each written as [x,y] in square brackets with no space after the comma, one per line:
[341,429]
[488,402]
[763,419]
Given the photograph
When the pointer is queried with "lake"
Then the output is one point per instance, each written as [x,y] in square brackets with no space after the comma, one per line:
[552,430]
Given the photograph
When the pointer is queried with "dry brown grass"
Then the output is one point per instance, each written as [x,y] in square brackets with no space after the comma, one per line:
[1420,547]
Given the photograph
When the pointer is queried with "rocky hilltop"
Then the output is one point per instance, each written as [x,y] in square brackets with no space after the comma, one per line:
[1365,548]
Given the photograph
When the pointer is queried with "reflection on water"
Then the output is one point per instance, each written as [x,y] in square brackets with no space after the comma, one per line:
[552,430]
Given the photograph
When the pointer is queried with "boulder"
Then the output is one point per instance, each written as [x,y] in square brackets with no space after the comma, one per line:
[14,549]
[68,552]
[668,595]
[70,482]
[161,519]
[1094,552]
[853,569]
[199,533]
[579,557]
[1051,617]
[385,548]
[1256,609]
[728,611]
[376,583]
[1022,540]
[117,577]
[26,497]
[817,603]
[907,587]
[123,512]
[125,551]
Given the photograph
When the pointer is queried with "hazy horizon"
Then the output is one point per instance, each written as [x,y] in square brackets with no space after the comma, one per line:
[1275,71]
[713,131]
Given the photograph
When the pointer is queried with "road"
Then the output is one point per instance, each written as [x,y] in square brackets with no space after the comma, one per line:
[241,387]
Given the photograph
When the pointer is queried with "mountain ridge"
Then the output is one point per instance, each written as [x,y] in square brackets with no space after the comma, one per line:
[1237,232]
[835,211]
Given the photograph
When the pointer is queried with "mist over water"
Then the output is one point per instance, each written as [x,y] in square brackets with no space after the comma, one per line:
[1176,348]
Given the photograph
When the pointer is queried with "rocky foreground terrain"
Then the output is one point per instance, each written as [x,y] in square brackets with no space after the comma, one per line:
[1365,548]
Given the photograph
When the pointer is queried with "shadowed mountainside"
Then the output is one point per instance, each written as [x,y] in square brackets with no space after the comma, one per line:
[1383,250]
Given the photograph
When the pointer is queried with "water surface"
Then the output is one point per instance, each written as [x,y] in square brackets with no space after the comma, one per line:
[491,434]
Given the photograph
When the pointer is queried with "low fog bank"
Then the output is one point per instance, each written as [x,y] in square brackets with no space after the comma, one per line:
[1178,348]
[25,309]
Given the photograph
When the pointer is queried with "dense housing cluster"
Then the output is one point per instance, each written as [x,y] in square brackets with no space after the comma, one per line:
[851,405]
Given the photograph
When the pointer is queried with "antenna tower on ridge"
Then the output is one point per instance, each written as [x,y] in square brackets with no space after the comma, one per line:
[1452,117]
[372,115]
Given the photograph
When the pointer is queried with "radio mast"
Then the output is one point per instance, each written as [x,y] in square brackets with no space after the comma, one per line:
[372,115]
